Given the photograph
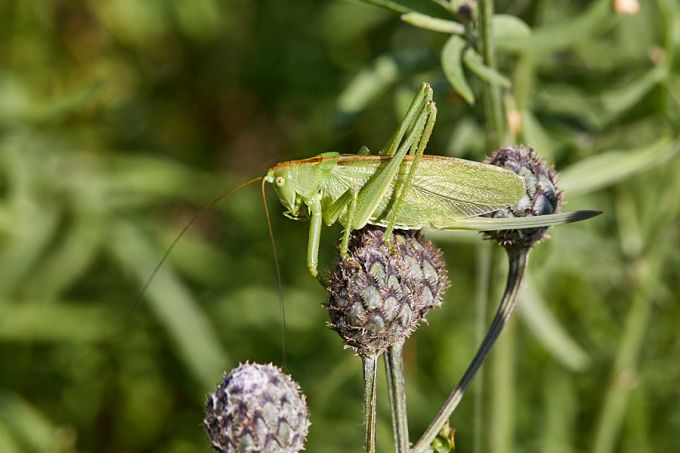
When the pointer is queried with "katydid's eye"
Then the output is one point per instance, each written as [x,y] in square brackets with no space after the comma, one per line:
[280,181]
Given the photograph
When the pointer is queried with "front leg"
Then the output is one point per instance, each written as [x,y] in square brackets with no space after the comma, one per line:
[347,201]
[314,206]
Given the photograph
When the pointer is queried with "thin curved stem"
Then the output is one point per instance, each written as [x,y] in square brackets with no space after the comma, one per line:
[394,367]
[370,366]
[517,266]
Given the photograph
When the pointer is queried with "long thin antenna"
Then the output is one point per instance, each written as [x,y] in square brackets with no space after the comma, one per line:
[181,233]
[278,278]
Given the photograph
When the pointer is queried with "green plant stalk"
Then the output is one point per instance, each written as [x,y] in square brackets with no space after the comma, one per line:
[483,273]
[370,366]
[394,367]
[646,269]
[517,266]
[624,374]
[491,95]
[502,394]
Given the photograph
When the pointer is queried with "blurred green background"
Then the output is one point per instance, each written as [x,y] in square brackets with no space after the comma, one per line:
[120,118]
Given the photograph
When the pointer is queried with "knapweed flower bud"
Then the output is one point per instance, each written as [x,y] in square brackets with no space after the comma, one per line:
[542,194]
[257,408]
[465,11]
[379,296]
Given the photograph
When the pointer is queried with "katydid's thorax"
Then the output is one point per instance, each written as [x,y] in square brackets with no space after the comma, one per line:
[299,182]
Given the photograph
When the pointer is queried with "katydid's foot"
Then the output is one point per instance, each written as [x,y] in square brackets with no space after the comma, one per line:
[323,280]
[387,239]
[351,262]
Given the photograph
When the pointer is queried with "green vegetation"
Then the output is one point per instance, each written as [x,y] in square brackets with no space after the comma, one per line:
[120,118]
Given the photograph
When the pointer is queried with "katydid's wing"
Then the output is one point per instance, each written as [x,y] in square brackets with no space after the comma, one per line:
[515,223]
[445,190]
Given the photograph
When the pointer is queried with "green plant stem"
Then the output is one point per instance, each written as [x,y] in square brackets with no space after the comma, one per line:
[394,366]
[649,259]
[625,373]
[491,95]
[517,266]
[370,366]
[483,273]
[500,431]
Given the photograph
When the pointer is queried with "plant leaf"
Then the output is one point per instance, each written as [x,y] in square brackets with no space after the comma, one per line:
[548,330]
[536,136]
[433,23]
[195,338]
[553,37]
[31,321]
[428,7]
[453,69]
[35,431]
[368,84]
[473,61]
[621,99]
[605,169]
[507,28]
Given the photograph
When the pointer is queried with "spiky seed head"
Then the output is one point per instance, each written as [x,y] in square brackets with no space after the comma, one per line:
[379,296]
[542,194]
[257,408]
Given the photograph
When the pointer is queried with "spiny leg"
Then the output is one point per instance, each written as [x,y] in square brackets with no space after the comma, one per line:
[410,119]
[404,186]
[378,187]
[363,203]
[348,201]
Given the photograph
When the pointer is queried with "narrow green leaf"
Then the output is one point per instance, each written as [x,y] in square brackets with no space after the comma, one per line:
[69,103]
[433,23]
[151,179]
[452,55]
[473,61]
[367,85]
[536,136]
[548,330]
[8,444]
[30,238]
[17,103]
[427,7]
[507,28]
[194,336]
[605,169]
[621,99]
[570,101]
[40,321]
[466,137]
[560,412]
[34,430]
[199,19]
[69,260]
[553,37]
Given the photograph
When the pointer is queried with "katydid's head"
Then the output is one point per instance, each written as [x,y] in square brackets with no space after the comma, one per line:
[282,179]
